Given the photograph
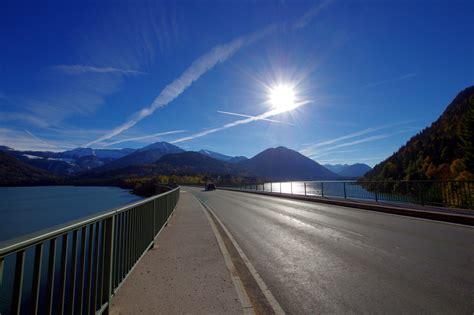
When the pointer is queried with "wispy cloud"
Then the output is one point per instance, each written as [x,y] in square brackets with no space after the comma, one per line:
[61,99]
[400,78]
[82,69]
[25,140]
[314,149]
[153,136]
[356,142]
[248,116]
[363,140]
[25,117]
[265,115]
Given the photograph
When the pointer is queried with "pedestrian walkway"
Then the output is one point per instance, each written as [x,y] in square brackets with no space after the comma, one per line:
[184,273]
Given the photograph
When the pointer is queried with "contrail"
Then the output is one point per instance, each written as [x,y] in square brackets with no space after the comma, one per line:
[248,116]
[145,137]
[310,14]
[200,66]
[400,78]
[240,122]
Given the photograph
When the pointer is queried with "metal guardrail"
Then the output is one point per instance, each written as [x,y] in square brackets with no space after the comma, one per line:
[83,262]
[458,194]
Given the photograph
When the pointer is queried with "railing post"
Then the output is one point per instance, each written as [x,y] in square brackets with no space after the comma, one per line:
[305,188]
[35,288]
[421,194]
[280,188]
[51,274]
[1,270]
[345,195]
[63,273]
[18,282]
[154,219]
[167,208]
[376,195]
[271,187]
[322,189]
[468,193]
[108,261]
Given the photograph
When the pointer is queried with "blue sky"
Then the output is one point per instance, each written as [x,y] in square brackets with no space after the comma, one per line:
[367,74]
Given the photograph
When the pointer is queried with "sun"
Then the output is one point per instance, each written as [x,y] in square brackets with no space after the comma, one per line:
[282,97]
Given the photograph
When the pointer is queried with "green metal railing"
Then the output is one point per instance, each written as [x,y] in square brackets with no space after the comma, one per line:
[76,268]
[456,194]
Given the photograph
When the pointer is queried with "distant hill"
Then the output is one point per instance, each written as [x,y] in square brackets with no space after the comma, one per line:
[336,168]
[223,157]
[237,159]
[15,172]
[215,155]
[348,171]
[189,163]
[355,171]
[146,155]
[443,151]
[284,164]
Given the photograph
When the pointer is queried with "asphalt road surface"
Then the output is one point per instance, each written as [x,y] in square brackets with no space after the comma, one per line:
[318,258]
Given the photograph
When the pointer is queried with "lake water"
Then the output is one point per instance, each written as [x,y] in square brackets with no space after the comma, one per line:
[24,210]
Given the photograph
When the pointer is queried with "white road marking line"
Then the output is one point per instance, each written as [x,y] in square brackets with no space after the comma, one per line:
[268,294]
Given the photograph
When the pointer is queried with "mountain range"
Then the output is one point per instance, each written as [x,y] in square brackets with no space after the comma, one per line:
[163,158]
[272,164]
[167,159]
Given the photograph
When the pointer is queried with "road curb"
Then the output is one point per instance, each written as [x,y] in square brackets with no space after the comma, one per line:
[431,215]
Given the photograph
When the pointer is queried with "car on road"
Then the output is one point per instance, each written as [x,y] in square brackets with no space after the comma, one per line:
[210,186]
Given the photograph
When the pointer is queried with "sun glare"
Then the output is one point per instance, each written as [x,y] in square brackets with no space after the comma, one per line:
[282,97]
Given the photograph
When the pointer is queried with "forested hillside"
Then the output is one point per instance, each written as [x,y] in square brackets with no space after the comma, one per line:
[15,172]
[443,151]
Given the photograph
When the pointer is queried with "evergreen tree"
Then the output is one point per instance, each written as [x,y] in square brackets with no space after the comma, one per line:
[466,137]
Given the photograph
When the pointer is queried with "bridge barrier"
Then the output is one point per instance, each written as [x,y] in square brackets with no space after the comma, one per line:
[454,194]
[76,268]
